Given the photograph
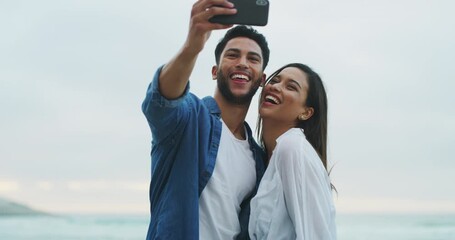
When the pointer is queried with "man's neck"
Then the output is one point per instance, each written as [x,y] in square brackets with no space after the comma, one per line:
[233,115]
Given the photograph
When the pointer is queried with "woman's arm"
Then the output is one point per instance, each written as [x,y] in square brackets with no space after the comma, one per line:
[305,191]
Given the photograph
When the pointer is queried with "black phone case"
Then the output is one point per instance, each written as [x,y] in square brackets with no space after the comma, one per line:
[249,12]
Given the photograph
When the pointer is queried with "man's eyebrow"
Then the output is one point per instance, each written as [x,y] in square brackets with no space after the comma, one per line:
[255,54]
[233,50]
[236,50]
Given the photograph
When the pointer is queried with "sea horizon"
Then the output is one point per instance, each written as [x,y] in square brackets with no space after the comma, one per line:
[111,226]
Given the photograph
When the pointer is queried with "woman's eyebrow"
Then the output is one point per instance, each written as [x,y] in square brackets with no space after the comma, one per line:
[296,82]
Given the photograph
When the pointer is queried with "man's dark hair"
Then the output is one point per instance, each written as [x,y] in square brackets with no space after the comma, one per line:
[248,32]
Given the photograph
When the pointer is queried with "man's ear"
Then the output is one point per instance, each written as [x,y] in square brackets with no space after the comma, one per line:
[264,77]
[214,70]
[307,114]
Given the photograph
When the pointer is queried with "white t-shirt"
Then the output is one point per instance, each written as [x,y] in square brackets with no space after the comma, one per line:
[294,199]
[233,179]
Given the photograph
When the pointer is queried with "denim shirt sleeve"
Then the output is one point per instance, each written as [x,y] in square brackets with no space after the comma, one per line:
[163,114]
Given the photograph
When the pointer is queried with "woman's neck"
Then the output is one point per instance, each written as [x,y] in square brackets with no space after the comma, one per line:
[271,130]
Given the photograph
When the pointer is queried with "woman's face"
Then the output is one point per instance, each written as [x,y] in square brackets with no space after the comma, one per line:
[283,98]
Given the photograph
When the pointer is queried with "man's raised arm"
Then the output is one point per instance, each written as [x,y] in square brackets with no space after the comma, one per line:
[176,73]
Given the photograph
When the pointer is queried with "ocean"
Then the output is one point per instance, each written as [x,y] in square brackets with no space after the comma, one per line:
[395,227]
[350,227]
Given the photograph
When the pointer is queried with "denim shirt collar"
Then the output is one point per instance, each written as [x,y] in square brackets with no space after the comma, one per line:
[211,104]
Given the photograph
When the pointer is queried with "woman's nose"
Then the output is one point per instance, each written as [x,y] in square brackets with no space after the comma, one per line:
[276,87]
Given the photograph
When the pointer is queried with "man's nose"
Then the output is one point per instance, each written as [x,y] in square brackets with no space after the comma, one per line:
[242,63]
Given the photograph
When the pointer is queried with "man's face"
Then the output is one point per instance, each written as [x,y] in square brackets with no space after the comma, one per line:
[239,73]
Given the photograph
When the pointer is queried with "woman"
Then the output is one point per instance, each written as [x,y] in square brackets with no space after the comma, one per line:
[294,199]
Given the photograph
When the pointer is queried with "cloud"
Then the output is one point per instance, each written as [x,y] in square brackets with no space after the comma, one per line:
[45,186]
[7,186]
[73,75]
[80,195]
[106,185]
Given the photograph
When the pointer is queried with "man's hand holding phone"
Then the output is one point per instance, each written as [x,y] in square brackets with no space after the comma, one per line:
[249,12]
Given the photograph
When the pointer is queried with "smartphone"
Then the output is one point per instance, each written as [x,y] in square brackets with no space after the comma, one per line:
[249,12]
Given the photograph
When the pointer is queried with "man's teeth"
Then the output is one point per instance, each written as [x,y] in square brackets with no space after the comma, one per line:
[240,76]
[272,99]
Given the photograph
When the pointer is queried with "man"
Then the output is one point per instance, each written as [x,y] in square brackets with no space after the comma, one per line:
[205,163]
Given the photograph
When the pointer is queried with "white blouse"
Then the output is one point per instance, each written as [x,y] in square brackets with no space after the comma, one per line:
[294,199]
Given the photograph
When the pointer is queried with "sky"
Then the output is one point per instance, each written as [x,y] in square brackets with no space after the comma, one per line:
[73,75]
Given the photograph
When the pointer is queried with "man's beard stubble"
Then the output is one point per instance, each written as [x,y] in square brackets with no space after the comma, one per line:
[223,86]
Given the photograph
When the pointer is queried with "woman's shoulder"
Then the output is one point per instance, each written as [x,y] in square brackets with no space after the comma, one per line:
[291,140]
[290,136]
[294,149]
[289,144]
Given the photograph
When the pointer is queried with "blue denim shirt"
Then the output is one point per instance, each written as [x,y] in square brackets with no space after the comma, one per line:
[185,137]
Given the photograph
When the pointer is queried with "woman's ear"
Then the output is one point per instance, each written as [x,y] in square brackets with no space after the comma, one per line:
[307,114]
[214,70]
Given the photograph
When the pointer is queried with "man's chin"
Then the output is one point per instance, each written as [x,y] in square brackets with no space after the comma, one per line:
[242,99]
[235,94]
